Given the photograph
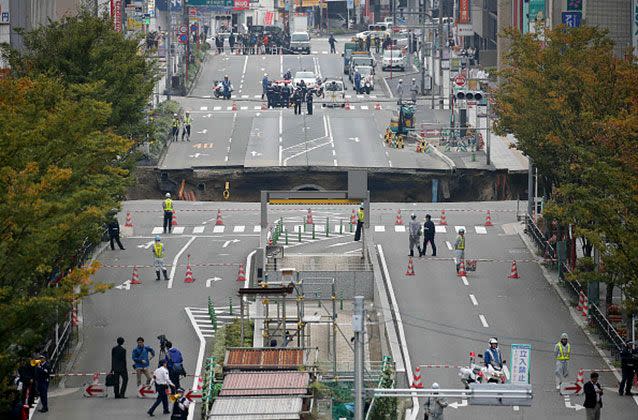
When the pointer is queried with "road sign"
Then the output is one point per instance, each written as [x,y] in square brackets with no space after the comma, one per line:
[183,39]
[570,389]
[183,29]
[459,80]
[146,391]
[95,390]
[571,19]
[194,27]
[520,360]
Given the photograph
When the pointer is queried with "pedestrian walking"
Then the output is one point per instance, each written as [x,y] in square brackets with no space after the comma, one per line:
[265,84]
[562,353]
[180,406]
[414,91]
[360,221]
[628,364]
[332,41]
[174,363]
[434,406]
[158,258]
[175,125]
[309,100]
[162,382]
[428,235]
[142,355]
[113,228]
[42,377]
[414,230]
[186,130]
[167,206]
[593,397]
[118,368]
[288,75]
[459,249]
[26,378]
[368,40]
[298,98]
[400,91]
[377,43]
[231,42]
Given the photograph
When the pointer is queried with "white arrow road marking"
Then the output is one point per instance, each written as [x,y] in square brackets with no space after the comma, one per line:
[355,139]
[196,155]
[207,116]
[254,153]
[146,245]
[126,285]
[212,280]
[568,404]
[463,403]
[233,241]
[204,131]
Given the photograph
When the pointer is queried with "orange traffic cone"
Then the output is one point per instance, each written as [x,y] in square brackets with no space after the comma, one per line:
[513,271]
[189,273]
[586,307]
[309,218]
[174,221]
[416,378]
[488,219]
[399,219]
[234,108]
[353,218]
[462,272]
[135,277]
[129,220]
[241,274]
[410,270]
[377,106]
[580,377]
[219,221]
[264,106]
[443,221]
[347,105]
[581,301]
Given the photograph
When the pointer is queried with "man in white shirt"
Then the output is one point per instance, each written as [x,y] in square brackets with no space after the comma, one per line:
[162,382]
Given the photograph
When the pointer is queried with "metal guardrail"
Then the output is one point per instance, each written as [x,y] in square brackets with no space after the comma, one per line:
[597,318]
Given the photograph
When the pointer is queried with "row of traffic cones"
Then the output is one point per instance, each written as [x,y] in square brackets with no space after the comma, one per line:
[513,275]
[188,278]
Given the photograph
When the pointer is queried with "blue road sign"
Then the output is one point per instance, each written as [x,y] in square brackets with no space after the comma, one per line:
[571,19]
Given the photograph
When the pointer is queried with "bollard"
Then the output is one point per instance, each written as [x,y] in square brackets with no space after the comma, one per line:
[351,227]
[313,232]
[230,305]
[340,227]
[299,232]
[327,227]
[304,225]
[341,300]
[286,236]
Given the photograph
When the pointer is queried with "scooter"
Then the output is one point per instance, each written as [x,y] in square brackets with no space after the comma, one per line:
[480,373]
[218,90]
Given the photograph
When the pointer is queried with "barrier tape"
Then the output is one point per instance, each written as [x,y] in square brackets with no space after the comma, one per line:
[176,265]
[211,210]
[96,375]
[441,366]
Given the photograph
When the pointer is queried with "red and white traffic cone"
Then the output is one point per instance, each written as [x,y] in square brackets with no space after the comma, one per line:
[127,230]
[347,107]
[580,378]
[581,301]
[234,108]
[309,220]
[462,271]
[514,271]
[443,221]
[377,106]
[353,218]
[586,307]
[264,106]
[241,274]
[410,270]
[399,219]
[488,219]
[174,221]
[416,378]
[219,221]
[135,277]
[189,273]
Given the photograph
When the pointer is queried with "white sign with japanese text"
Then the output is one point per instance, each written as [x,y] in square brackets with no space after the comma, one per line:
[5,15]
[520,364]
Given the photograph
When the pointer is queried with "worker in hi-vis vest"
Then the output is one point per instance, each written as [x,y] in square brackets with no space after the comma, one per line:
[167,205]
[158,258]
[562,352]
[360,220]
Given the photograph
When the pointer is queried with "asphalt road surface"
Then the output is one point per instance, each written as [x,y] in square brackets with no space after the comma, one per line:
[444,317]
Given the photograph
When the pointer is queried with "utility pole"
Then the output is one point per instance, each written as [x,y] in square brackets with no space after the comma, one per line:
[530,187]
[358,322]
[441,51]
[185,22]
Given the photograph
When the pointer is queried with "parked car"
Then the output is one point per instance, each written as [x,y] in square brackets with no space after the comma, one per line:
[394,59]
[308,77]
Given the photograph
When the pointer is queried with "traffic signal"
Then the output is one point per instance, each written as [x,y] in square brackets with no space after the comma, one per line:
[469,95]
[403,4]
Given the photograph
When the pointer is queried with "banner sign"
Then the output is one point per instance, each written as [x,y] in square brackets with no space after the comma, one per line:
[118,16]
[241,5]
[464,11]
[521,357]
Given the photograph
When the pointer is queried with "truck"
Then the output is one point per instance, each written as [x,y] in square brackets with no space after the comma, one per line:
[360,58]
[348,49]
[299,23]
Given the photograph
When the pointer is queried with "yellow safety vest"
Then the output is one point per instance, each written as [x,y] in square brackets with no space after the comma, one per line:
[158,250]
[168,205]
[461,243]
[187,120]
[175,122]
[360,215]
[562,355]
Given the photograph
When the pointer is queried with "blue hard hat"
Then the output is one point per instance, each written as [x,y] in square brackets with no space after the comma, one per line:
[157,238]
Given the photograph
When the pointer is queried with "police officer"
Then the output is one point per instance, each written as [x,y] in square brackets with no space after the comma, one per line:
[175,126]
[309,96]
[158,258]
[167,205]
[628,360]
[42,377]
[114,230]
[186,131]
[285,96]
[180,407]
[265,84]
[297,97]
[360,221]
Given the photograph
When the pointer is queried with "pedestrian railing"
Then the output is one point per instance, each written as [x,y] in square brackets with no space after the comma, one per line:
[596,317]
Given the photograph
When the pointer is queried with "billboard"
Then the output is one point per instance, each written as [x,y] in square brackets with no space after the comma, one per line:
[464,11]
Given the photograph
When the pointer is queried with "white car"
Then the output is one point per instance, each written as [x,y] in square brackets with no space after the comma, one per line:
[335,91]
[308,77]
[367,76]
[394,59]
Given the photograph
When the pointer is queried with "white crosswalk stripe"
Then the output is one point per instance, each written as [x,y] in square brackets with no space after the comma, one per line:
[379,228]
[203,322]
[399,228]
[257,228]
[217,108]
[480,230]
[219,229]
[178,230]
[199,229]
[239,229]
[440,229]
[203,108]
[157,230]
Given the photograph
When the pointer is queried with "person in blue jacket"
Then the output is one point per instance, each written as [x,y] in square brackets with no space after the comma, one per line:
[493,355]
[142,356]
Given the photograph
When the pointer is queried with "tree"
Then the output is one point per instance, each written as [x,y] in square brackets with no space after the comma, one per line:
[59,177]
[84,49]
[574,110]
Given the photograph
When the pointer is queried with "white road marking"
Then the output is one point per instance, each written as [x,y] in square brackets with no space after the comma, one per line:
[449,245]
[219,229]
[335,162]
[157,230]
[348,96]
[257,229]
[440,229]
[515,408]
[229,108]
[243,108]
[257,96]
[340,244]
[281,122]
[217,108]
[474,301]
[399,228]
[200,359]
[212,280]
[364,107]
[146,245]
[457,228]
[179,254]
[389,163]
[380,228]
[239,229]
[126,285]
[480,230]
[203,108]
[232,241]
[257,107]
[464,280]
[199,229]
[373,96]
[483,321]
[281,154]
[178,230]
[244,96]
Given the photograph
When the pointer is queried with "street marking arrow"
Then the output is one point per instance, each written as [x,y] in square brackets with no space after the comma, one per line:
[94,390]
[207,116]
[196,155]
[568,404]
[568,389]
[146,245]
[126,285]
[145,391]
[212,280]
[463,403]
[234,241]
[254,153]
[204,131]
[356,139]
[192,395]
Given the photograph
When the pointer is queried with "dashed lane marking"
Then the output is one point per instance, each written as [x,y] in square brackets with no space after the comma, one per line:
[380,228]
[178,230]
[157,230]
[203,108]
[198,229]
[474,301]
[464,280]
[257,229]
[483,321]
[440,229]
[481,230]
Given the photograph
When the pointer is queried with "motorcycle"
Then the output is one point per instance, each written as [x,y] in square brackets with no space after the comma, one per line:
[366,86]
[218,90]
[475,373]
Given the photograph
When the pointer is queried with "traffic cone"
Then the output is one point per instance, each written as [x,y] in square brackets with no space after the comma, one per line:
[353,218]
[264,106]
[74,316]
[174,221]
[127,230]
[241,274]
[135,277]
[461,272]
[488,219]
[377,106]
[416,378]
[410,270]
[189,273]
[234,108]
[513,271]
[443,221]
[580,378]
[581,301]
[399,219]
[219,221]
[586,307]
[200,383]
[309,218]
[347,105]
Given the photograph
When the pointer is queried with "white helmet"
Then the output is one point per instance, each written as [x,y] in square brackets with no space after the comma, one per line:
[564,336]
[435,385]
[168,195]
[413,216]
[493,341]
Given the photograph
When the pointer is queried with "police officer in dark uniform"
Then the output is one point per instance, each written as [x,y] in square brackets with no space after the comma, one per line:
[114,230]
[270,96]
[298,98]
[285,96]
[309,96]
[628,359]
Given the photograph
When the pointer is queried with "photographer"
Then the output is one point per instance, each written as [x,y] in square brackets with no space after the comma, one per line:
[175,364]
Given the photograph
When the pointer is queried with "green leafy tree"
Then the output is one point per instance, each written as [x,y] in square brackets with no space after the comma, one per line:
[84,49]
[59,177]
